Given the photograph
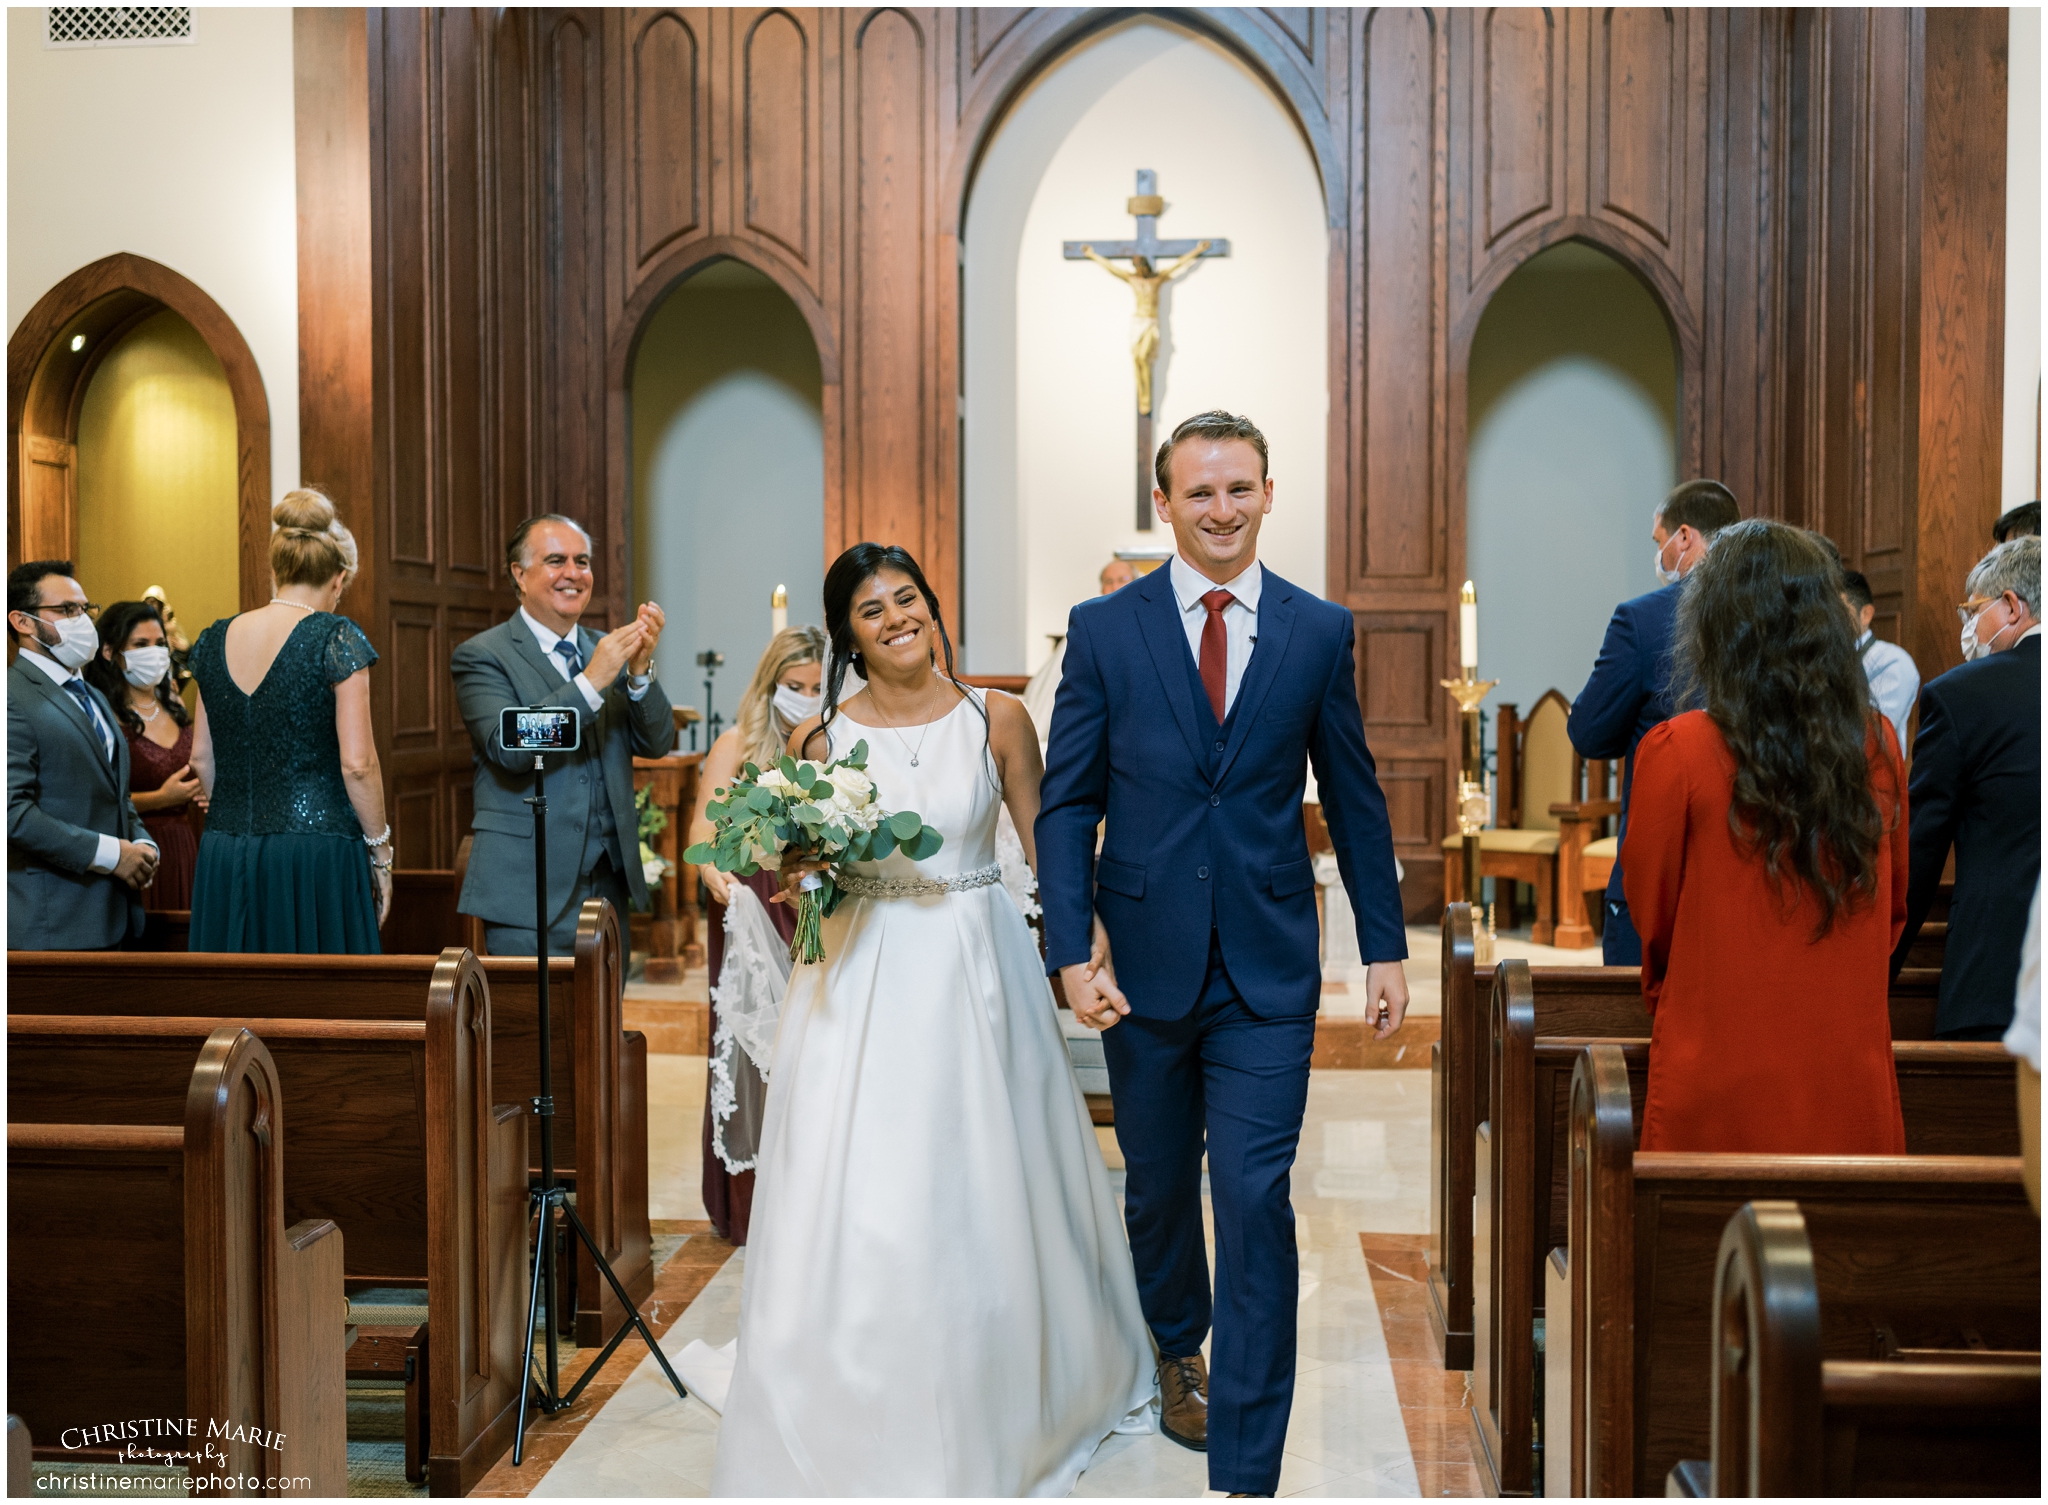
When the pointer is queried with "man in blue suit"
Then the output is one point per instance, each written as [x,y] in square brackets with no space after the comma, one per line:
[1629,692]
[1192,703]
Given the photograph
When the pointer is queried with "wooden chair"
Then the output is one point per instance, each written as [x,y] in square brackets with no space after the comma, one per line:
[1586,847]
[1537,768]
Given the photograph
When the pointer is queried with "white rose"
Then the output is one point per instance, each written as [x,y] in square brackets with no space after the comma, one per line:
[852,789]
[772,780]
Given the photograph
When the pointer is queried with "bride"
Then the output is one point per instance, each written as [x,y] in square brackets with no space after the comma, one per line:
[938,1296]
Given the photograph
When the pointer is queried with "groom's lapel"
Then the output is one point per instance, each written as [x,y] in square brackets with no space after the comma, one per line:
[1159,620]
[1276,624]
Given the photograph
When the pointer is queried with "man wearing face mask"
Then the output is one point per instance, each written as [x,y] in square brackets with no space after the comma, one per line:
[1628,693]
[78,855]
[1976,786]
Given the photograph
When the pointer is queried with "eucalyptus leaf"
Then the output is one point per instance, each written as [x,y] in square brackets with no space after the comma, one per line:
[699,853]
[906,824]
[923,845]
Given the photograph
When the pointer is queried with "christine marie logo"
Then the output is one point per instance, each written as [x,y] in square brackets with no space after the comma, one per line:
[170,1439]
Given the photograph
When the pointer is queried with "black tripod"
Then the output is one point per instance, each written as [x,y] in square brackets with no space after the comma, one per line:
[550,1199]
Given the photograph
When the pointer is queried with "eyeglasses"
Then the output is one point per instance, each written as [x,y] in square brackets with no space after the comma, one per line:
[64,611]
[1971,609]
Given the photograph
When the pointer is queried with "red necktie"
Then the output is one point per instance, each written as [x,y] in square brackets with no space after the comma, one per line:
[1215,650]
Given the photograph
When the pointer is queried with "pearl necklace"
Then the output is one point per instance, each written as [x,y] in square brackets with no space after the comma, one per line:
[294,605]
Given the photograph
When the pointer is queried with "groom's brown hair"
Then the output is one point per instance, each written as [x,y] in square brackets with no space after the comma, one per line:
[1214,424]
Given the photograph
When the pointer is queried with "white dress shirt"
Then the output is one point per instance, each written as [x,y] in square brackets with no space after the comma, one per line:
[1240,617]
[1894,679]
[107,856]
[636,684]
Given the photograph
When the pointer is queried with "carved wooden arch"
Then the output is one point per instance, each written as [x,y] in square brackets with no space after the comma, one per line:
[1635,257]
[1032,49]
[680,266]
[46,385]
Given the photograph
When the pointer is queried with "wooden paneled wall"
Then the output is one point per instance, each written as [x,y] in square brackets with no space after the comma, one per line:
[538,180]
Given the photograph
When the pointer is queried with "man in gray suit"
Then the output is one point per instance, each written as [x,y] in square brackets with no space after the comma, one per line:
[78,855]
[541,657]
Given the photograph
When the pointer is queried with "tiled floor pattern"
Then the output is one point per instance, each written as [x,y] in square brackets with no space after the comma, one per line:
[1373,1414]
[678,1284]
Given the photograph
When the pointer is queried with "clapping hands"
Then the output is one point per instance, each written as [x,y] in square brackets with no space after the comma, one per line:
[628,649]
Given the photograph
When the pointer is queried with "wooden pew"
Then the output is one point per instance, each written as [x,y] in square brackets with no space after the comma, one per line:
[1581,1002]
[396,1135]
[600,1069]
[151,1274]
[1630,1325]
[1788,1419]
[1454,1114]
[1957,1099]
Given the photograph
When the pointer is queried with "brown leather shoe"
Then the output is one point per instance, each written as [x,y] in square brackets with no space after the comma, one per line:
[1184,1401]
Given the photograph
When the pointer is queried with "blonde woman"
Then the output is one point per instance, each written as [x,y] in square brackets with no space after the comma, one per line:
[297,852]
[785,691]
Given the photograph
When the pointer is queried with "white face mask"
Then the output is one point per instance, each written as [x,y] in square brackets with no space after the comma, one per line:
[1669,577]
[795,707]
[1972,649]
[143,667]
[77,641]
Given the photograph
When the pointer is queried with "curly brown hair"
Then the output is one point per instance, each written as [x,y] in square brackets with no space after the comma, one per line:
[1766,648]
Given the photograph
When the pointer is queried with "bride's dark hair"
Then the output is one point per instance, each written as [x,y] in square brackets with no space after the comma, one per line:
[849,572]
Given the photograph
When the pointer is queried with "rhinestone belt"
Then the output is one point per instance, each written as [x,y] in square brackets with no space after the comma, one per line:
[916,888]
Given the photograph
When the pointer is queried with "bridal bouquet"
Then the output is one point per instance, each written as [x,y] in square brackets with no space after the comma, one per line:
[823,812]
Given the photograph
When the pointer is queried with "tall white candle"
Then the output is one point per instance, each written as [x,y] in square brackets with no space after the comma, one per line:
[1468,627]
[778,609]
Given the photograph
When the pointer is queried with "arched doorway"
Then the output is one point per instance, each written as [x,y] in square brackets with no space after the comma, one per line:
[53,359]
[1047,477]
[728,472]
[1571,441]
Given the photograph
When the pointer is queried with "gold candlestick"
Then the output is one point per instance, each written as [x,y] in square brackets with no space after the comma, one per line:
[1468,691]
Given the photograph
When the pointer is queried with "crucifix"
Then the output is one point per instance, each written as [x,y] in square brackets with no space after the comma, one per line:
[1146,277]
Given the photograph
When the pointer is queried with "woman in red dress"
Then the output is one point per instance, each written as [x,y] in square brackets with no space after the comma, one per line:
[1766,866]
[133,670]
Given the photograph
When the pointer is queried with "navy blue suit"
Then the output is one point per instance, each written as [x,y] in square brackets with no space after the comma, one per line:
[1629,693]
[1976,785]
[1205,888]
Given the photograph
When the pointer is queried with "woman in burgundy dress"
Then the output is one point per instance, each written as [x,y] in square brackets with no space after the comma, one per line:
[1766,860]
[133,670]
[784,691]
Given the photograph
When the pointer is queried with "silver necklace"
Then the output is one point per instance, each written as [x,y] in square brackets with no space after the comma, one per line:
[294,605]
[906,741]
[155,711]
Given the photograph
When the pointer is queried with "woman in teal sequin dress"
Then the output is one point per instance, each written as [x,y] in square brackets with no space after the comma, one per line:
[297,853]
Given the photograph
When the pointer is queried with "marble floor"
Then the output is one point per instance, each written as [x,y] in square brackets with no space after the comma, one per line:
[1362,1171]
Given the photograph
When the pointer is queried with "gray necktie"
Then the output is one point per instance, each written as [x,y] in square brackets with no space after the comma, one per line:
[79,693]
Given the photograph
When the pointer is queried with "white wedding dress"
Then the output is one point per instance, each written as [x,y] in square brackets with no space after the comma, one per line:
[938,1296]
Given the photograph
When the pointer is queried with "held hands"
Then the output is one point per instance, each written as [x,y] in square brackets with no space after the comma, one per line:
[1091,987]
[137,865]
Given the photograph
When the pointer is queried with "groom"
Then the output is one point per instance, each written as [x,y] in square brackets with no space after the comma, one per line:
[1193,700]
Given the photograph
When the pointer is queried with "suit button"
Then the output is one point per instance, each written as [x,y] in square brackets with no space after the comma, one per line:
[1201,872]
[1219,747]
[1215,799]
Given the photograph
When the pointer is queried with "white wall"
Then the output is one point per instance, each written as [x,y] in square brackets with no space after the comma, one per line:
[181,154]
[1050,399]
[728,474]
[2022,256]
[1570,402]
